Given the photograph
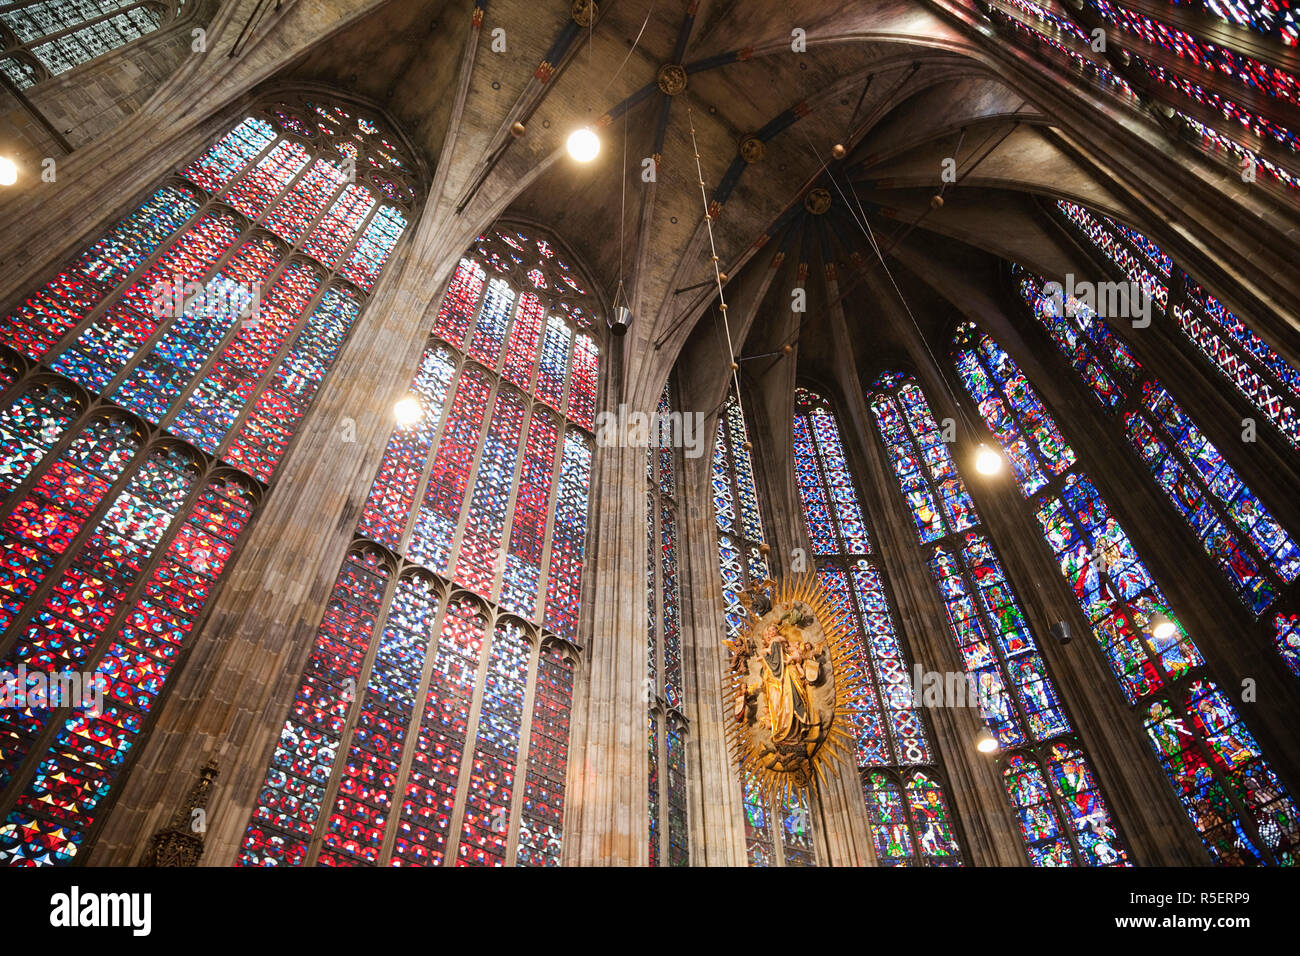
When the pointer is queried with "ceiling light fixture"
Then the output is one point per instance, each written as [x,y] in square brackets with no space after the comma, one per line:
[986,743]
[8,171]
[408,411]
[583,145]
[987,461]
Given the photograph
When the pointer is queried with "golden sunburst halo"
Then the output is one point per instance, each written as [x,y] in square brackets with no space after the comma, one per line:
[782,769]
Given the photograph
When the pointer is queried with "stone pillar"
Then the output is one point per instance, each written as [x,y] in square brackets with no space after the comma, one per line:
[609,776]
[717,823]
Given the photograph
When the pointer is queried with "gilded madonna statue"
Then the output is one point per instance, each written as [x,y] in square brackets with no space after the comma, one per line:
[786,686]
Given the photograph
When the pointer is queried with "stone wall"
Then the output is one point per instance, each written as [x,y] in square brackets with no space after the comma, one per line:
[90,100]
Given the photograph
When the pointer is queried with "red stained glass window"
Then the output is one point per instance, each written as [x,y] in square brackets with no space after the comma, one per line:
[483,498]
[114,531]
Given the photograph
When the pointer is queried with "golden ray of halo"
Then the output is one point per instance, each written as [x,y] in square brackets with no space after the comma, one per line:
[850,687]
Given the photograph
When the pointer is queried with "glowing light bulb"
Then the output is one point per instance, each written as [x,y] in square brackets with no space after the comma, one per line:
[1161,627]
[583,145]
[408,411]
[986,743]
[8,171]
[987,461]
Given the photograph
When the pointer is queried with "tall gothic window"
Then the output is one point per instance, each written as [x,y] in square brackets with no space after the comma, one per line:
[1227,787]
[773,836]
[664,683]
[443,670]
[43,38]
[1064,820]
[154,385]
[1225,341]
[910,820]
[1256,556]
[1218,120]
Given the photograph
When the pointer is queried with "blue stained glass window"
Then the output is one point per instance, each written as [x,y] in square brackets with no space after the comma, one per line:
[1150,653]
[742,561]
[1006,676]
[887,725]
[1226,341]
[931,486]
[1253,552]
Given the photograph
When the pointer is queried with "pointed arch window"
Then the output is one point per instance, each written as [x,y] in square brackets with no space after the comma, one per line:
[44,38]
[1064,819]
[894,752]
[1223,339]
[471,544]
[773,836]
[665,690]
[1174,63]
[1257,557]
[154,385]
[1231,794]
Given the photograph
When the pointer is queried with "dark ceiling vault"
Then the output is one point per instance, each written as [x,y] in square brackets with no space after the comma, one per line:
[902,85]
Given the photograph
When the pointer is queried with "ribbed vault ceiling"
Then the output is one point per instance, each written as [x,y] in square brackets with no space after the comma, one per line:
[901,87]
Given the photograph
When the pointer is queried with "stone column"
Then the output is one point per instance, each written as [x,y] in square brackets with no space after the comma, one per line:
[717,823]
[609,776]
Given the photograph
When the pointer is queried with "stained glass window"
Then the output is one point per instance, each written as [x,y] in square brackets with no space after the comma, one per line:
[1270,383]
[664,686]
[1035,25]
[478,513]
[1257,557]
[935,836]
[1269,17]
[1227,787]
[887,724]
[1234,350]
[1219,117]
[1137,30]
[50,37]
[541,824]
[742,559]
[215,331]
[1007,680]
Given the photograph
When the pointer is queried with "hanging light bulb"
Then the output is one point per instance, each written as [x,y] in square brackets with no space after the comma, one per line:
[1161,627]
[408,411]
[583,144]
[986,743]
[987,461]
[8,171]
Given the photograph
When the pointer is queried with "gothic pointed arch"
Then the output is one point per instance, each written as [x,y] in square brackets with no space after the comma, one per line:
[418,715]
[156,384]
